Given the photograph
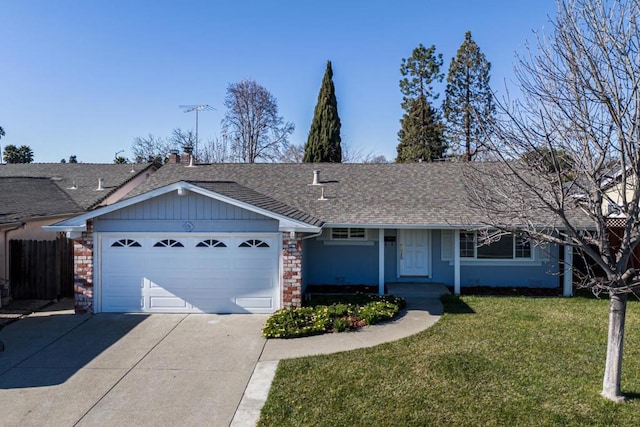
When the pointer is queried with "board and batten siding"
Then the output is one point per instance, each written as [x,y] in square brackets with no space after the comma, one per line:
[190,212]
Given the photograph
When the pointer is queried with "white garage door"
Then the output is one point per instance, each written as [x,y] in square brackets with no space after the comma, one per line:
[181,273]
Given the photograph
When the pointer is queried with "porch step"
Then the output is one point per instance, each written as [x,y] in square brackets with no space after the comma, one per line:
[417,290]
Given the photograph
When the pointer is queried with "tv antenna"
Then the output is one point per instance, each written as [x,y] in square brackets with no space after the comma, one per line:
[197,108]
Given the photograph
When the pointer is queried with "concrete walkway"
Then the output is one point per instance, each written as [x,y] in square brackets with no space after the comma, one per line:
[423,310]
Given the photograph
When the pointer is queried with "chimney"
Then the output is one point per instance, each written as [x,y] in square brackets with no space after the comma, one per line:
[100,184]
[185,158]
[316,177]
[174,157]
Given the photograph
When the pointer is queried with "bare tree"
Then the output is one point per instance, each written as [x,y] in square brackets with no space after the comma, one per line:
[184,139]
[579,113]
[293,154]
[380,158]
[151,149]
[252,123]
[215,150]
[358,155]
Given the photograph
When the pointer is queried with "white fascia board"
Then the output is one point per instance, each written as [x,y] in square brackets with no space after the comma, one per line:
[419,226]
[65,228]
[400,226]
[287,228]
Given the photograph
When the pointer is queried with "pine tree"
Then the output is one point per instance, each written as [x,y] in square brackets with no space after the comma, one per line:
[468,106]
[421,134]
[323,143]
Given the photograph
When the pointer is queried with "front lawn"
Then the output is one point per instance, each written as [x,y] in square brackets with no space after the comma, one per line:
[488,361]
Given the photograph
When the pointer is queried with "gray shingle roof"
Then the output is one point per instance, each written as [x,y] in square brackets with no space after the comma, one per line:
[427,194]
[24,198]
[84,175]
[244,194]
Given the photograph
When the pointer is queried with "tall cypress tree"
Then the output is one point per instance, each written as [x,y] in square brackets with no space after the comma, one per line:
[468,106]
[323,143]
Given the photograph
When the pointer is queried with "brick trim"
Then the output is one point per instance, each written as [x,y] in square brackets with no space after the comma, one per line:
[291,271]
[83,271]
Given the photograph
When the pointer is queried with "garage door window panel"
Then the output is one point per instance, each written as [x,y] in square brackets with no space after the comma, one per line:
[253,243]
[211,243]
[126,243]
[168,243]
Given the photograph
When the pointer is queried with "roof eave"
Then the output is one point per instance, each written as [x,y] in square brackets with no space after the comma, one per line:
[285,223]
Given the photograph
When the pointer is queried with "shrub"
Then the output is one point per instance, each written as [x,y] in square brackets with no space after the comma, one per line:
[296,322]
[339,316]
[378,311]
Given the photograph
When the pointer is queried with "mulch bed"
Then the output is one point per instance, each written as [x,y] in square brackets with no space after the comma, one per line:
[506,291]
[466,290]
[341,289]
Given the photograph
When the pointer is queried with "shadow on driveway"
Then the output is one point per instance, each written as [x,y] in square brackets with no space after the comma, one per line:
[47,350]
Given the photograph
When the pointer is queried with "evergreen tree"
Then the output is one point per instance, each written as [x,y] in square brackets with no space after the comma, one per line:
[13,154]
[468,106]
[421,135]
[323,143]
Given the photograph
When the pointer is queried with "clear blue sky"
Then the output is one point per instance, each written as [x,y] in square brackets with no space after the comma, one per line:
[86,77]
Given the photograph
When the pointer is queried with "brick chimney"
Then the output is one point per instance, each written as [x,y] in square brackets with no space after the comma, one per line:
[174,157]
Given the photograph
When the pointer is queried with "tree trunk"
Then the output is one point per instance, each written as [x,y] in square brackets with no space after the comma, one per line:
[613,366]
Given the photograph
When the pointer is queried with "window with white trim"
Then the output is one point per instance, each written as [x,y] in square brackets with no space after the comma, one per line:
[351,233]
[467,244]
[506,247]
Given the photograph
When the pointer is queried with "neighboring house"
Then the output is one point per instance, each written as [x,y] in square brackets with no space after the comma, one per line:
[615,196]
[39,194]
[251,237]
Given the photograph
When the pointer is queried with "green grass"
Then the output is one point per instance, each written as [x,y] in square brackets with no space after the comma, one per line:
[488,361]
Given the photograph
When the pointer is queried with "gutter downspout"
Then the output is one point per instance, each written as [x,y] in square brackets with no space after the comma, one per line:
[312,235]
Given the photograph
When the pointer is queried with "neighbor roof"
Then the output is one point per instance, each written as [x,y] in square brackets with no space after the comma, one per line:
[27,198]
[79,180]
[424,194]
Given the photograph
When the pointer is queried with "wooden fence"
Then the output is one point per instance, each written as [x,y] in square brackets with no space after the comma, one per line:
[41,269]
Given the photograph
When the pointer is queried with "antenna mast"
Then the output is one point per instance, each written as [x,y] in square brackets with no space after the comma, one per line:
[197,108]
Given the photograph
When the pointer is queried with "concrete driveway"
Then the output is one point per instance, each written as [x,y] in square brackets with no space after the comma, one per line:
[126,369]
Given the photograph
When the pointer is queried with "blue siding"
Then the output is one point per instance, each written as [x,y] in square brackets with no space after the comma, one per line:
[178,226]
[334,264]
[358,264]
[170,213]
[173,207]
[535,276]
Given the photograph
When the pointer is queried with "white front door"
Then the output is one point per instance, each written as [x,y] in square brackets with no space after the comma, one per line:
[414,253]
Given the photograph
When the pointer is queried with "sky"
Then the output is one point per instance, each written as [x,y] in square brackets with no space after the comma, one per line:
[85,78]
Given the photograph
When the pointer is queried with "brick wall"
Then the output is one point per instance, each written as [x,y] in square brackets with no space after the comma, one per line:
[291,271]
[83,271]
